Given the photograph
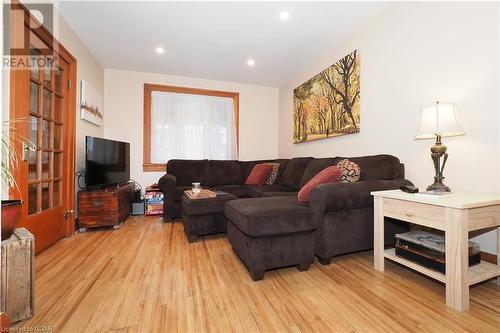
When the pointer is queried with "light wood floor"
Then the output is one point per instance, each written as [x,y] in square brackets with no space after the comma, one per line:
[146,277]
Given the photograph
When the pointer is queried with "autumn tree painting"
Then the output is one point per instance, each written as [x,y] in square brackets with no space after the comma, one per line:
[327,105]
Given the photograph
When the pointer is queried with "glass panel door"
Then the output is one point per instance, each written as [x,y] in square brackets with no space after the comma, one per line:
[43,105]
[46,133]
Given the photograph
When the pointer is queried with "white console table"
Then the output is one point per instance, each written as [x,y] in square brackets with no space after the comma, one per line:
[456,214]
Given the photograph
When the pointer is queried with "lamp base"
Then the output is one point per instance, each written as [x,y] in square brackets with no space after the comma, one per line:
[438,150]
[438,187]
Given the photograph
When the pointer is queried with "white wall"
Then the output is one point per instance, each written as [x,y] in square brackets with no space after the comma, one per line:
[88,69]
[123,115]
[413,54]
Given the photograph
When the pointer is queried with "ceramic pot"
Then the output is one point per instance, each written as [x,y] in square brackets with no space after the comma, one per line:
[11,211]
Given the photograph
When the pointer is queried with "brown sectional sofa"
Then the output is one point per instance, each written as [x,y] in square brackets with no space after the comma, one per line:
[228,176]
[339,215]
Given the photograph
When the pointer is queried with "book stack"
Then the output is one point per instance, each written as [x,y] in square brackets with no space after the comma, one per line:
[153,200]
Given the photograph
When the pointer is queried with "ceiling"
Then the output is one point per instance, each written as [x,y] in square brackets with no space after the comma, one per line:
[214,40]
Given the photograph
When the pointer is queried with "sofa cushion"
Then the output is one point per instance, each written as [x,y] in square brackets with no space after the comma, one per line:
[293,172]
[283,163]
[189,171]
[279,194]
[257,217]
[260,173]
[347,196]
[256,191]
[330,174]
[241,191]
[314,166]
[224,173]
[376,166]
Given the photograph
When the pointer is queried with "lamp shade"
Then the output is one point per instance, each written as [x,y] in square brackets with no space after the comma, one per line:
[439,119]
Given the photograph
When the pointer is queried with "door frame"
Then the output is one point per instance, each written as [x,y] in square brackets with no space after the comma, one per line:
[19,104]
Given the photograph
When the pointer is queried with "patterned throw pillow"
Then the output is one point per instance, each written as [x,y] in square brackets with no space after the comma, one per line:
[274,174]
[351,172]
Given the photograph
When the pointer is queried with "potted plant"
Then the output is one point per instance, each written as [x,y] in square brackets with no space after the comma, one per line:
[11,209]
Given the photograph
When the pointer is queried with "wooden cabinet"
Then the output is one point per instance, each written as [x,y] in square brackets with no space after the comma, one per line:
[105,207]
[17,275]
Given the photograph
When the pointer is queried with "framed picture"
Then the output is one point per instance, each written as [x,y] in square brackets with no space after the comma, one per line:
[91,108]
[328,105]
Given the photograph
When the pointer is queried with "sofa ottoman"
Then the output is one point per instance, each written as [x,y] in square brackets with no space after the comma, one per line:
[204,216]
[271,232]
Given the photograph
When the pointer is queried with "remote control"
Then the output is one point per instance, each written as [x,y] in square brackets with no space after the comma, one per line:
[409,189]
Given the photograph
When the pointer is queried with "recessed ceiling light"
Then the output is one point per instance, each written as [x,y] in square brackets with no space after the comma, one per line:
[160,50]
[284,15]
[250,62]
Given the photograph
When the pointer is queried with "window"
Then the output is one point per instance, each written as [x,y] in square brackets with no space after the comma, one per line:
[188,123]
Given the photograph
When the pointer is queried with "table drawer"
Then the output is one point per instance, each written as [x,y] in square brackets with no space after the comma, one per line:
[422,214]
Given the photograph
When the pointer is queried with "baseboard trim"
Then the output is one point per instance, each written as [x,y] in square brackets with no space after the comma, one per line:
[485,256]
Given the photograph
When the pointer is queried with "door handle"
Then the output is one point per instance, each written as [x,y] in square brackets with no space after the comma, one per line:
[68,213]
[27,147]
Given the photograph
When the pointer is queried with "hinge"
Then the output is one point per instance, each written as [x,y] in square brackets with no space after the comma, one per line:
[68,84]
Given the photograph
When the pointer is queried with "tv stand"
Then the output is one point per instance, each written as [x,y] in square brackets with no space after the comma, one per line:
[105,207]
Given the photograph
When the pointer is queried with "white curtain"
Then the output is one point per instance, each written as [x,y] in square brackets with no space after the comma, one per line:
[191,126]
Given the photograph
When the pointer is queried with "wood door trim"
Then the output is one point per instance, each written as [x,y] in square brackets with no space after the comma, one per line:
[19,102]
[147,165]
[70,127]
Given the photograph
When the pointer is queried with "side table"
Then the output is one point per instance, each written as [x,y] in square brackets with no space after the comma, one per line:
[456,214]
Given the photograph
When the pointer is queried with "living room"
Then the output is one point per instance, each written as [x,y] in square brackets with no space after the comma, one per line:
[180,270]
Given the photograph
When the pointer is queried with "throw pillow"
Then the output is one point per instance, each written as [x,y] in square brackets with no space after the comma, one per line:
[259,174]
[350,171]
[274,174]
[330,174]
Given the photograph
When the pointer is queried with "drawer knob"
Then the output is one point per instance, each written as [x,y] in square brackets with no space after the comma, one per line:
[409,212]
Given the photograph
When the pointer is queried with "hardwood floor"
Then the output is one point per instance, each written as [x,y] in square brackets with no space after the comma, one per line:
[146,277]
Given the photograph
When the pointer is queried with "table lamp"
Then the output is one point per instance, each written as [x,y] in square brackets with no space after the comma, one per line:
[436,122]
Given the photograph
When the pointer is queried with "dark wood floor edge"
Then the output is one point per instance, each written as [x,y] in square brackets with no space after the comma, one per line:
[489,257]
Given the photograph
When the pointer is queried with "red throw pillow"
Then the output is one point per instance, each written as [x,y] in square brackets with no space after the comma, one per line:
[330,174]
[260,173]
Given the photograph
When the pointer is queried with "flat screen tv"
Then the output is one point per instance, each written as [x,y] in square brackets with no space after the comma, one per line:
[107,162]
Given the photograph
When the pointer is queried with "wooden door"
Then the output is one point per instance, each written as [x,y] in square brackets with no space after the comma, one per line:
[43,112]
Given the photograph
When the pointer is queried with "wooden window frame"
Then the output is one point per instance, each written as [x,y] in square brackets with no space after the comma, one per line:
[147,165]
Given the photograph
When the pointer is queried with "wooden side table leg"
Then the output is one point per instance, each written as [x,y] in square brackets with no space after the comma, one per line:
[378,233]
[457,260]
